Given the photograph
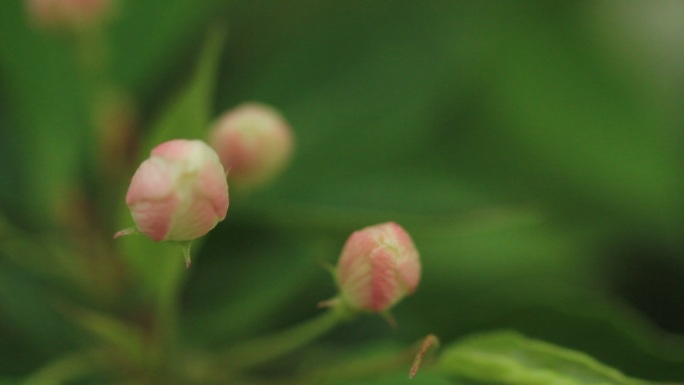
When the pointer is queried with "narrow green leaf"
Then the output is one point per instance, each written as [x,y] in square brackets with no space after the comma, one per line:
[143,55]
[510,358]
[65,369]
[188,115]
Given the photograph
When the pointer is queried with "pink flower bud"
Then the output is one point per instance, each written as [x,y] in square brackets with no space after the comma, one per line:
[68,14]
[379,265]
[179,193]
[254,143]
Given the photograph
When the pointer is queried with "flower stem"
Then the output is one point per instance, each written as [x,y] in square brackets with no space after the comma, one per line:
[263,349]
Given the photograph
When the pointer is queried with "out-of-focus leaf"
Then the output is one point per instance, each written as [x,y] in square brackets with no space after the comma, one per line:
[509,358]
[188,115]
[510,252]
[129,340]
[558,124]
[231,276]
[629,340]
[28,314]
[617,335]
[150,40]
[531,278]
[65,369]
[47,120]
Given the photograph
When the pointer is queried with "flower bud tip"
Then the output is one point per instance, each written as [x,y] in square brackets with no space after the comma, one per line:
[378,266]
[254,142]
[178,194]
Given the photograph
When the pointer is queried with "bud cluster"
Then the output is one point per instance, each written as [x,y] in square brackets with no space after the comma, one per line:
[180,193]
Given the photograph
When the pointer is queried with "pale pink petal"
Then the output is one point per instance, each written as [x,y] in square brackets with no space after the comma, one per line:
[153,218]
[357,248]
[242,154]
[193,221]
[378,266]
[253,142]
[178,149]
[384,289]
[408,259]
[152,181]
[356,285]
[213,187]
[180,192]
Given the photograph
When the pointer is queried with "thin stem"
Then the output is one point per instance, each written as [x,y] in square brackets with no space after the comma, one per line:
[167,312]
[269,347]
[167,309]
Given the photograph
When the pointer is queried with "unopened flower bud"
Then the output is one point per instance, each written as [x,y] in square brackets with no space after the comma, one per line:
[254,143]
[68,14]
[178,194]
[379,266]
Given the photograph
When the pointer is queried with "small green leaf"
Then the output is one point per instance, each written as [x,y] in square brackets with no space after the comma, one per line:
[510,358]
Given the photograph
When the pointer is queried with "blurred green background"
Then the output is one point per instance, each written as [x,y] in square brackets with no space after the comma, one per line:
[533,149]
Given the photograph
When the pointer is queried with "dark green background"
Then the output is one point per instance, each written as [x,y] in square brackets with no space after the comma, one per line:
[534,150]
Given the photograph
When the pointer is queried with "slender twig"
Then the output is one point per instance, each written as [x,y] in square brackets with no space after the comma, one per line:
[263,349]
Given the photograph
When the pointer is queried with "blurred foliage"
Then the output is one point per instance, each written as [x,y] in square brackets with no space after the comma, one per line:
[534,150]
[512,359]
